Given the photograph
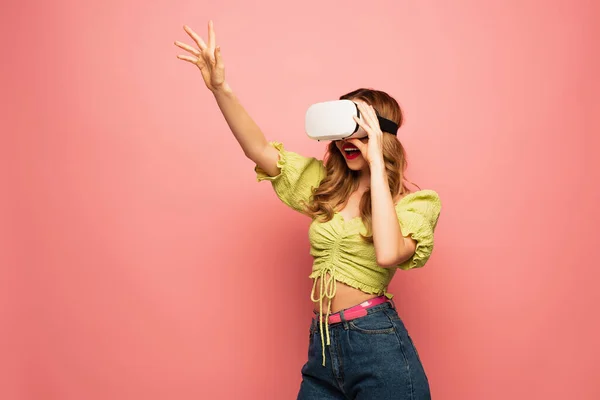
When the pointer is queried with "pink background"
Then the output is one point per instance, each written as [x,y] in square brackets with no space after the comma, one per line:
[141,260]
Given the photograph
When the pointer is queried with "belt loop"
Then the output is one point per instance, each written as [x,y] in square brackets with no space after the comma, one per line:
[344,322]
[393,304]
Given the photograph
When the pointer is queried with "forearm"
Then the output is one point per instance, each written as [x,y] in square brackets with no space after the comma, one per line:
[387,236]
[246,131]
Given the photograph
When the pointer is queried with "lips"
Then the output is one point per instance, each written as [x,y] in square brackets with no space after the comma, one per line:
[350,151]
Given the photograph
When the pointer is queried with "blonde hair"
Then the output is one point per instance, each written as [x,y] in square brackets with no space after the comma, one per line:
[341,181]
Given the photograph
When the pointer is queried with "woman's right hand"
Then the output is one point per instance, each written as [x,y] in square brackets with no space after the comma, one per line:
[206,57]
[246,131]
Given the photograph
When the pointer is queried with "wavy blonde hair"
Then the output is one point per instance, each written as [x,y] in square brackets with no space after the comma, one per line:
[340,181]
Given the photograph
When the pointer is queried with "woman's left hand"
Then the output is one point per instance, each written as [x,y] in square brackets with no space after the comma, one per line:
[372,151]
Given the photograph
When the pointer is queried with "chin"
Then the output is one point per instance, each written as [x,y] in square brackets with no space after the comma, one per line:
[358,164]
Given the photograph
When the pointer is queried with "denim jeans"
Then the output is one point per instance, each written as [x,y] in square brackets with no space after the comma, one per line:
[370,357]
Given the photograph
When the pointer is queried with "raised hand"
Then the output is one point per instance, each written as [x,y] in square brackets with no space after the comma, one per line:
[206,57]
[372,150]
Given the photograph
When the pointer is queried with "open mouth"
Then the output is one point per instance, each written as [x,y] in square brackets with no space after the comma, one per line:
[350,151]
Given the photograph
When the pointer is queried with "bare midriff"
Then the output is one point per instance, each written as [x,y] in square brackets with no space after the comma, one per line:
[345,297]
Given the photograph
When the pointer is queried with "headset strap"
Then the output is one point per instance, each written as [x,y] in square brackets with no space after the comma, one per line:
[387,126]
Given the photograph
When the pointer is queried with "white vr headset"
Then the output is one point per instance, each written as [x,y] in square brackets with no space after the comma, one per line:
[332,120]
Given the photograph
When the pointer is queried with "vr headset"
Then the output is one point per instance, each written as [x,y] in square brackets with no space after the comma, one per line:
[332,120]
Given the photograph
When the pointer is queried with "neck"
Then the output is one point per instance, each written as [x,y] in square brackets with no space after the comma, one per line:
[364,178]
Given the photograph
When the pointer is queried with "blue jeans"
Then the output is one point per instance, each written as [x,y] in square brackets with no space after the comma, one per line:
[370,357]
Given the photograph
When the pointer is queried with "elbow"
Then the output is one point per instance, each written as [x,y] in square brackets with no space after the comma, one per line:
[387,261]
[394,257]
[391,255]
[252,155]
[393,260]
[256,152]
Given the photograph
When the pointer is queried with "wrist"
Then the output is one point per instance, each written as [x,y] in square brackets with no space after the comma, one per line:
[377,164]
[223,89]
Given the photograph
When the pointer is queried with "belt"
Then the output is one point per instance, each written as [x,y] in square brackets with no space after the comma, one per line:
[359,310]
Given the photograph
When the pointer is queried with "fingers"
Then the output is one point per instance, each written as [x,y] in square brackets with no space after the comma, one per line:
[363,123]
[191,59]
[219,58]
[211,35]
[195,37]
[368,113]
[356,142]
[188,48]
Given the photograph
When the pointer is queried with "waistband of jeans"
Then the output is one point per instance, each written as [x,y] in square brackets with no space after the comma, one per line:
[370,310]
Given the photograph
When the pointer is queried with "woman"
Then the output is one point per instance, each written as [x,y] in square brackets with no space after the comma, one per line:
[365,225]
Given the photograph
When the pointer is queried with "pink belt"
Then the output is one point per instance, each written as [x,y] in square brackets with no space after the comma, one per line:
[359,310]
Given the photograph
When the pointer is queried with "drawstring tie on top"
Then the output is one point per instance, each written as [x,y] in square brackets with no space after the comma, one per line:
[328,288]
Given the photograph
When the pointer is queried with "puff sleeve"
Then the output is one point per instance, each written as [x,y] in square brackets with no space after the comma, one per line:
[298,177]
[418,215]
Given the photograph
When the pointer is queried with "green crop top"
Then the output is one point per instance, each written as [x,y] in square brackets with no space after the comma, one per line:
[336,245]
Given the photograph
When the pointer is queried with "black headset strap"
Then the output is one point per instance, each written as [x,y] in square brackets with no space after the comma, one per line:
[385,124]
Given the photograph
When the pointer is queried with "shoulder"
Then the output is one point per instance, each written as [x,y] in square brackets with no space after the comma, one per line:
[418,214]
[421,198]
[419,209]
